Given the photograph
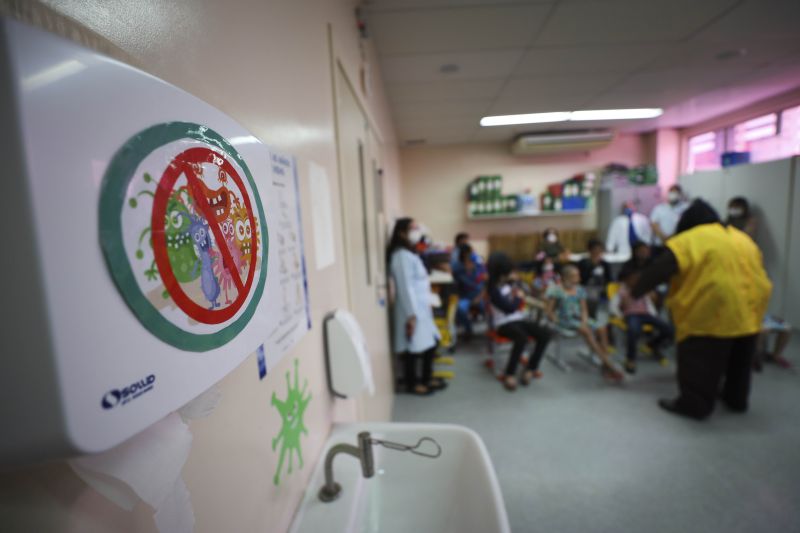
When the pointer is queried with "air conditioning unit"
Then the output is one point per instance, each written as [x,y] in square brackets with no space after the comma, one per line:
[554,142]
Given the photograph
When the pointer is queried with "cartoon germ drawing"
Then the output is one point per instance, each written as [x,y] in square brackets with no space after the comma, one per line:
[202,240]
[292,411]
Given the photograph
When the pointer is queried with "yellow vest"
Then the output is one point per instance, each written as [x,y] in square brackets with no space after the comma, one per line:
[721,289]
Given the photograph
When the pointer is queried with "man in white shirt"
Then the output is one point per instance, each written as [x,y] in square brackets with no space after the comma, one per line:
[627,229]
[665,216]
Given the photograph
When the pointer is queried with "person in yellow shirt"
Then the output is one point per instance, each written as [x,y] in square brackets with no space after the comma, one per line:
[718,296]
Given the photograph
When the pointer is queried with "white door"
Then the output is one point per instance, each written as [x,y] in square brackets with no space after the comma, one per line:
[359,157]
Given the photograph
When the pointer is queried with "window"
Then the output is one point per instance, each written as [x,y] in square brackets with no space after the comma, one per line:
[767,138]
[705,151]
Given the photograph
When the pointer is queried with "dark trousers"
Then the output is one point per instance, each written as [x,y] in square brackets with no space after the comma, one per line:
[413,375]
[518,332]
[703,362]
[635,323]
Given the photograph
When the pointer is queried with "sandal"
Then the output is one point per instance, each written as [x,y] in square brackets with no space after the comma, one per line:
[437,384]
[510,384]
[613,374]
[527,377]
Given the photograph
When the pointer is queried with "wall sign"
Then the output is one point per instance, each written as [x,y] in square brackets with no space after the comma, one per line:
[184,234]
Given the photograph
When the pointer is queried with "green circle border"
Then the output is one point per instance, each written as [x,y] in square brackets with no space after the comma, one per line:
[113,192]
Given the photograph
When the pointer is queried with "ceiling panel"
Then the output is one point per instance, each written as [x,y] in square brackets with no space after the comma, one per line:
[467,109]
[590,54]
[444,90]
[562,93]
[764,19]
[700,54]
[428,129]
[595,59]
[690,80]
[456,29]
[389,5]
[663,97]
[471,66]
[629,21]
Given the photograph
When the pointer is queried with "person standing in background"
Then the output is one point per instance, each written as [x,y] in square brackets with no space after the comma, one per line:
[415,332]
[664,217]
[627,229]
[741,217]
[718,296]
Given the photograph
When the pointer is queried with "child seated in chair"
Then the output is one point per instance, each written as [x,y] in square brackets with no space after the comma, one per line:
[567,310]
[783,333]
[507,305]
[639,312]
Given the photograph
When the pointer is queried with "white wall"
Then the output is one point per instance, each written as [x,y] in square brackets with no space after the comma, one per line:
[267,64]
[435,180]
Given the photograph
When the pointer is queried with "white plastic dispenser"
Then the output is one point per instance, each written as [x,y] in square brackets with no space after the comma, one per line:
[137,247]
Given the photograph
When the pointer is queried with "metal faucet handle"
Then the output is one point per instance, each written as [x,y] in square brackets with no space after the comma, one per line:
[408,448]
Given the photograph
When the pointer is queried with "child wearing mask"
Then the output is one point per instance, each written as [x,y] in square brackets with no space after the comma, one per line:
[640,258]
[551,247]
[510,321]
[637,313]
[595,275]
[567,309]
[546,275]
[470,278]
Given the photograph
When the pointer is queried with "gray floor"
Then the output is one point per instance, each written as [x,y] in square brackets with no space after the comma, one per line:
[574,454]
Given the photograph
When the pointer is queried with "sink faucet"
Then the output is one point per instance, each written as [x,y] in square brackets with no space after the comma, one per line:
[363,452]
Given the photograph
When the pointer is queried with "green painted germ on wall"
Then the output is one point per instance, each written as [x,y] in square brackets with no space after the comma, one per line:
[292,411]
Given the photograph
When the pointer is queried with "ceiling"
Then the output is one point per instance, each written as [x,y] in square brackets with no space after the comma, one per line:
[529,56]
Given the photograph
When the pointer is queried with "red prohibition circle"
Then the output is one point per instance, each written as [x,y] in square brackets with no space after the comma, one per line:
[184,163]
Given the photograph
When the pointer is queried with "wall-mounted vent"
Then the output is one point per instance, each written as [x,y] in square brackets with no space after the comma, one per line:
[554,142]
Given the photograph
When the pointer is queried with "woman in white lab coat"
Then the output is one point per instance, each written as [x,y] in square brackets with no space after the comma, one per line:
[415,333]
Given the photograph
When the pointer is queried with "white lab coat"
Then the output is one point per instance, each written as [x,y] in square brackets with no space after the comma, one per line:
[618,239]
[412,297]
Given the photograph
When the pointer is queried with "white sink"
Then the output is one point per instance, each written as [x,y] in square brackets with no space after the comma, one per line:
[457,492]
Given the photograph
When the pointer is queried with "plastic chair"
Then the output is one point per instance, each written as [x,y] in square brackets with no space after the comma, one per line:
[447,324]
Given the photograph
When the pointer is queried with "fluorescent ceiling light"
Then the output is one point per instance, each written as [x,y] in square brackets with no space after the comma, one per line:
[615,114]
[564,116]
[531,118]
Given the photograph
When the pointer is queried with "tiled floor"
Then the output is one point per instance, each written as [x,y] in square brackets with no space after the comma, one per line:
[575,454]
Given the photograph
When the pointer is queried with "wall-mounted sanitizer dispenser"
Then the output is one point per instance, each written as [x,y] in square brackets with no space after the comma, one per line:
[135,252]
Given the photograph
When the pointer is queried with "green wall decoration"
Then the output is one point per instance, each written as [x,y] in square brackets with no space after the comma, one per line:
[292,411]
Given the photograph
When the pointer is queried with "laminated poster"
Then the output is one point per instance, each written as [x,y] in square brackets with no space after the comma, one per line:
[194,241]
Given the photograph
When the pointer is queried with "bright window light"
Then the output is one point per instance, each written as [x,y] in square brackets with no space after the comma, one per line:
[530,118]
[563,116]
[615,114]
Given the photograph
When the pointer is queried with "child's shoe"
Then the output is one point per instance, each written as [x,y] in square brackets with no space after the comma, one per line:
[613,374]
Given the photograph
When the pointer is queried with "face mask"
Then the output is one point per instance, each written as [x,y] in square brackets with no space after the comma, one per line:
[552,237]
[674,197]
[414,236]
[548,268]
[628,211]
[735,212]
